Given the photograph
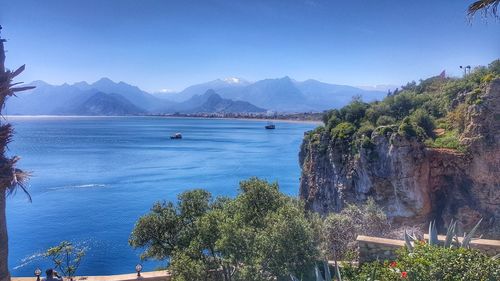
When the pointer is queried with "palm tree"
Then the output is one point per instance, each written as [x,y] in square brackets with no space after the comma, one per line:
[485,6]
[11,178]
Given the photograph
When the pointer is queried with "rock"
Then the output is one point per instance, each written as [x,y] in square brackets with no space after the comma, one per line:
[414,184]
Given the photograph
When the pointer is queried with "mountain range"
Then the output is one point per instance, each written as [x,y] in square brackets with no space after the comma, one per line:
[105,97]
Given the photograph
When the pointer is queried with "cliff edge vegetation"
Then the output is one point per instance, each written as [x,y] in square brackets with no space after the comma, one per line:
[429,151]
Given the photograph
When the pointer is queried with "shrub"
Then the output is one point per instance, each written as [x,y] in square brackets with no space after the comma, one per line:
[385,120]
[401,104]
[332,122]
[341,229]
[457,117]
[428,262]
[494,67]
[411,130]
[366,129]
[488,78]
[474,97]
[386,130]
[421,118]
[343,131]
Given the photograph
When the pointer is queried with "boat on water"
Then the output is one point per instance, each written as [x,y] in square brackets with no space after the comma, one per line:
[270,126]
[176,136]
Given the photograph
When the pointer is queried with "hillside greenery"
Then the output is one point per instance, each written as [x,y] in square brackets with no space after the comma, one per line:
[432,111]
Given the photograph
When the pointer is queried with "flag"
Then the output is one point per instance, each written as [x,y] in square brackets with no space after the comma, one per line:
[443,74]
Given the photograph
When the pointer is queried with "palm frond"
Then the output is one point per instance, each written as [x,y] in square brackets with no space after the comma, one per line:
[20,180]
[17,71]
[485,6]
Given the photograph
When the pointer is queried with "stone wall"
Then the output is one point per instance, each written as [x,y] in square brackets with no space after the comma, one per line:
[373,248]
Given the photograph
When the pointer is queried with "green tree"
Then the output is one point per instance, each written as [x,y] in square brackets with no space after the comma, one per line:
[355,111]
[258,235]
[11,178]
[66,258]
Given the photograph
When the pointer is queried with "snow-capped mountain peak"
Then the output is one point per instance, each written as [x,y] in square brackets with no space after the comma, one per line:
[233,80]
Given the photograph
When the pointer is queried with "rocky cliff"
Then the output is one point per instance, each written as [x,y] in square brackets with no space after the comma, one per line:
[412,181]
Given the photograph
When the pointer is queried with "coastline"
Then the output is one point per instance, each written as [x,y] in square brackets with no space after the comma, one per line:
[277,120]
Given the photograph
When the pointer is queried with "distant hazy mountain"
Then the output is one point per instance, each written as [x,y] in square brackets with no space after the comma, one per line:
[326,96]
[282,94]
[200,89]
[44,99]
[103,104]
[211,102]
[132,93]
[65,99]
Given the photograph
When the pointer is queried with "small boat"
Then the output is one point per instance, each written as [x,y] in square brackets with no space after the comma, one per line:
[176,136]
[270,126]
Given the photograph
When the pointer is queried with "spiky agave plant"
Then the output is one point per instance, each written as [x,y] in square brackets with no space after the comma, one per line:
[451,239]
[11,178]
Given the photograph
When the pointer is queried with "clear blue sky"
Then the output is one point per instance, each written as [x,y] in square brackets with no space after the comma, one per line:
[170,44]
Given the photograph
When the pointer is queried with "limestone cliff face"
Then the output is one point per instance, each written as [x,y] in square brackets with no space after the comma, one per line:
[413,183]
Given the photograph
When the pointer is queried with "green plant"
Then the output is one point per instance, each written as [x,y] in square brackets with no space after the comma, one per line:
[428,262]
[449,139]
[385,120]
[451,240]
[260,234]
[422,119]
[412,111]
[66,258]
[341,229]
[411,130]
[343,131]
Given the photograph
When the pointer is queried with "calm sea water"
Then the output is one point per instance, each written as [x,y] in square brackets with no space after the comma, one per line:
[94,176]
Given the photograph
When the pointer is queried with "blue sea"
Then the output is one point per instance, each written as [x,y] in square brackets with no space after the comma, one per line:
[93,177]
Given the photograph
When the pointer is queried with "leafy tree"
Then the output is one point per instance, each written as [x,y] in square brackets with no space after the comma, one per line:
[66,258]
[354,111]
[170,226]
[258,235]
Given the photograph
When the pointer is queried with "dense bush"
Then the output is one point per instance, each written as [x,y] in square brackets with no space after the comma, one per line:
[341,229]
[385,120]
[422,119]
[411,130]
[343,131]
[428,262]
